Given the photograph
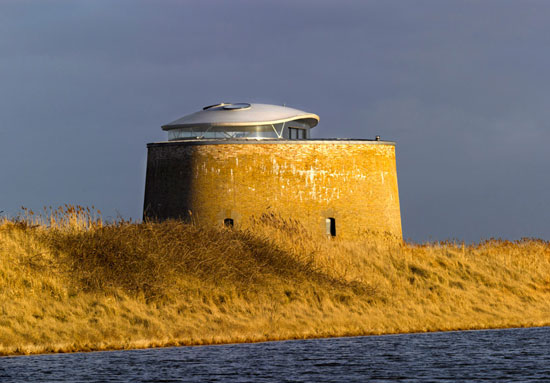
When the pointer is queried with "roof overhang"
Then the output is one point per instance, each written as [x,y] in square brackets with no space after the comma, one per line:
[255,115]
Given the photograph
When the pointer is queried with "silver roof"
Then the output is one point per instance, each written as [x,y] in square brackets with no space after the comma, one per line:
[242,114]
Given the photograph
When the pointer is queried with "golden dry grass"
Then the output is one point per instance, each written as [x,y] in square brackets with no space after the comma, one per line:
[69,282]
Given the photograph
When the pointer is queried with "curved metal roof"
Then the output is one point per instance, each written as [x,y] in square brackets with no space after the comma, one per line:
[242,114]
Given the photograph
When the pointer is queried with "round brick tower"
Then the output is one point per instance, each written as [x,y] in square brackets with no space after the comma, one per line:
[230,163]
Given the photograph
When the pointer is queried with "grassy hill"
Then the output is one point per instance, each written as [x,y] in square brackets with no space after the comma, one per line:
[69,282]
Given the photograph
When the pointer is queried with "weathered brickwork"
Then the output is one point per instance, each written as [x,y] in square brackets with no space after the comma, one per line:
[354,182]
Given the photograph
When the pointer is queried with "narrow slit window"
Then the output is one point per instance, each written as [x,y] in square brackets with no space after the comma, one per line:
[228,222]
[331,227]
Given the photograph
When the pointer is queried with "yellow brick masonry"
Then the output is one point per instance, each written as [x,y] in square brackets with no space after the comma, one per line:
[354,183]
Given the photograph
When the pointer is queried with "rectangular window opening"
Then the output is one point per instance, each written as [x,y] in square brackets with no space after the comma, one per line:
[331,226]
[297,133]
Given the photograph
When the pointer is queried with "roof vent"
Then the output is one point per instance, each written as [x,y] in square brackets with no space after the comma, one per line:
[215,105]
[238,106]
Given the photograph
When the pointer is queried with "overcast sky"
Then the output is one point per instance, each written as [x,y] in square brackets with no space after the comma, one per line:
[461,86]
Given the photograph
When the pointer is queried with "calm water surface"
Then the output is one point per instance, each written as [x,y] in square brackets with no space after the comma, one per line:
[517,355]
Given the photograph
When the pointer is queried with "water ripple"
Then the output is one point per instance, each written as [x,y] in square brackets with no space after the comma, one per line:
[516,355]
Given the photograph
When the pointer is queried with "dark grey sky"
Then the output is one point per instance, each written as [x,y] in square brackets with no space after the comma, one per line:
[461,86]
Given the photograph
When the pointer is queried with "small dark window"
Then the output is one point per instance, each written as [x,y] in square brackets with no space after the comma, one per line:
[297,133]
[228,222]
[331,227]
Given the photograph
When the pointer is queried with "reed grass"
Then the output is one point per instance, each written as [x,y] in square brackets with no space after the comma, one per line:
[71,282]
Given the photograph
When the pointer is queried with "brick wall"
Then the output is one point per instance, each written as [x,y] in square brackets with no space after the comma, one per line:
[354,182]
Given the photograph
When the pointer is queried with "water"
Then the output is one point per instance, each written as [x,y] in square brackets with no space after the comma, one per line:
[517,355]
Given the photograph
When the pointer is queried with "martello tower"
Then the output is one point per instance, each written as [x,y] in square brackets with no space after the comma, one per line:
[229,163]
